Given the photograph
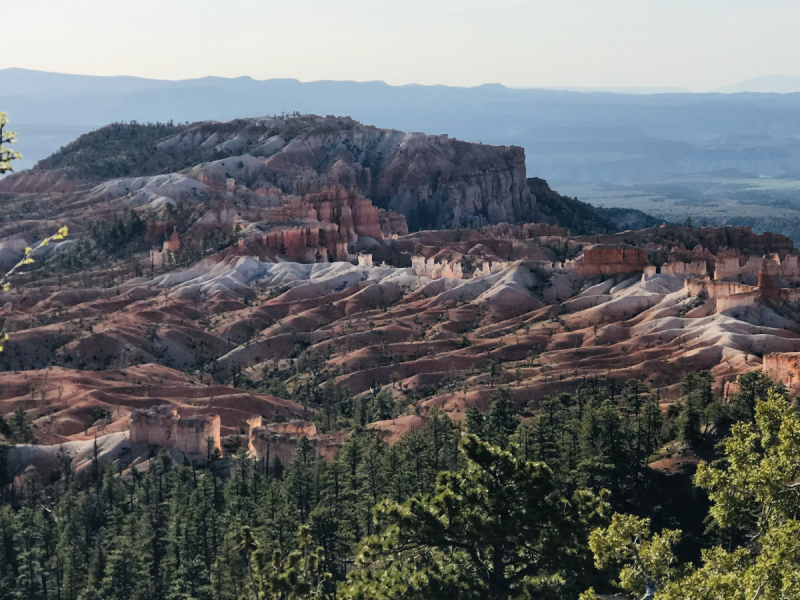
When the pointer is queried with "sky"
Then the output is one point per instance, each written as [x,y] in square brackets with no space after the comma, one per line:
[696,44]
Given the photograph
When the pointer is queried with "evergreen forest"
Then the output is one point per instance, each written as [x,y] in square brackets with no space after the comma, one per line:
[559,501]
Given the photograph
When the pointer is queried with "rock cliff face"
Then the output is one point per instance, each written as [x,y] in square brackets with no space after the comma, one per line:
[161,426]
[353,215]
[680,268]
[733,265]
[432,180]
[321,227]
[435,181]
[783,367]
[734,294]
[278,440]
[155,426]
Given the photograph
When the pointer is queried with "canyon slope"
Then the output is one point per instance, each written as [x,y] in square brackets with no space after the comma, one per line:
[249,283]
[475,310]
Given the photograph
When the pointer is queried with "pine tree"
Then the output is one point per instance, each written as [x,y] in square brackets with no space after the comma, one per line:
[501,420]
[475,422]
[300,480]
[21,427]
[753,386]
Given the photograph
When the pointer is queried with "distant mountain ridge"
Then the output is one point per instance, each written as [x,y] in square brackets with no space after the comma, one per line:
[767,84]
[568,136]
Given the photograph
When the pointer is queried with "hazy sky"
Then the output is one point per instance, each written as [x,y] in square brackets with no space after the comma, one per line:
[699,44]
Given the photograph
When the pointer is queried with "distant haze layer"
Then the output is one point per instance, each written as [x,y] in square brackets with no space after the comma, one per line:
[568,136]
[524,43]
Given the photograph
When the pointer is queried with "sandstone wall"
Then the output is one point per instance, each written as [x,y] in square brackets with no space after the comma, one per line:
[156,426]
[193,435]
[734,266]
[767,286]
[161,426]
[679,268]
[717,289]
[453,269]
[489,267]
[783,367]
[737,300]
[603,260]
[323,225]
[365,260]
[432,180]
[265,442]
[310,242]
[436,182]
[726,294]
[771,274]
[435,270]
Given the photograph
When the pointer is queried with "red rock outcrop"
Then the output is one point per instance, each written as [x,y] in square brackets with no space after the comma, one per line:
[680,268]
[198,434]
[265,442]
[354,214]
[732,265]
[609,260]
[155,426]
[323,226]
[311,242]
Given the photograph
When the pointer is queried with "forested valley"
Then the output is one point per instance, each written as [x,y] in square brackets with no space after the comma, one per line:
[548,503]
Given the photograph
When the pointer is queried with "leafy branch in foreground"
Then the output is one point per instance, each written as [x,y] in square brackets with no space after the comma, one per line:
[755,506]
[7,154]
[646,561]
[27,259]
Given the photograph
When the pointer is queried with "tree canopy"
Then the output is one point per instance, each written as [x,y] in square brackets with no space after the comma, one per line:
[755,513]
[499,528]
